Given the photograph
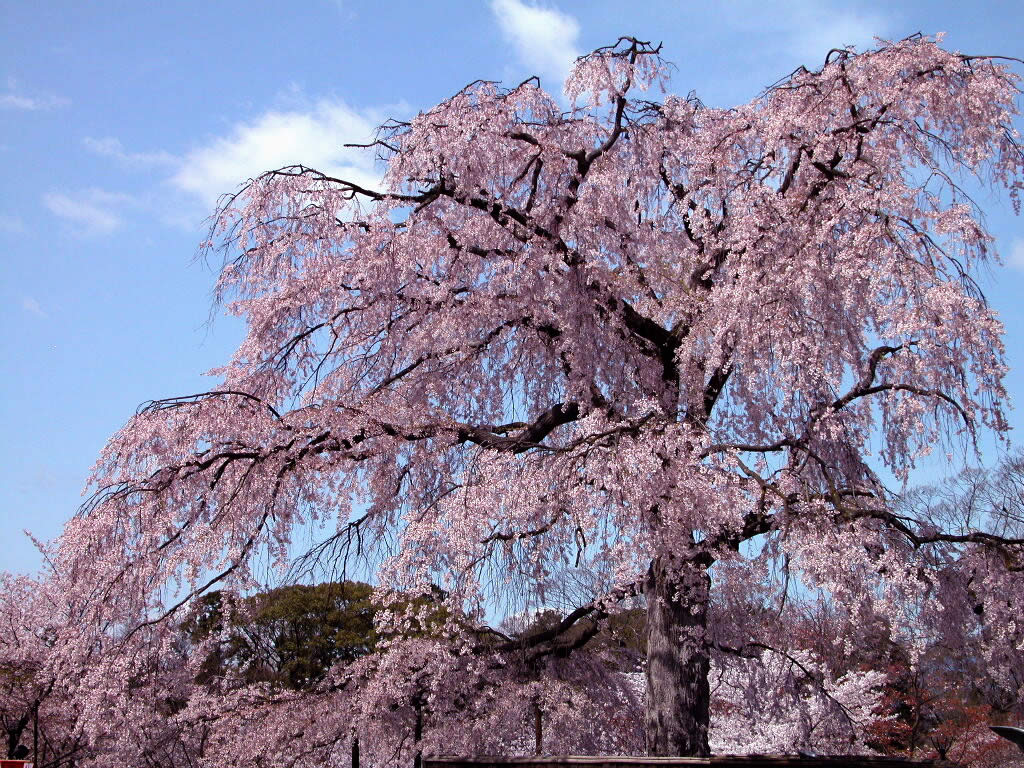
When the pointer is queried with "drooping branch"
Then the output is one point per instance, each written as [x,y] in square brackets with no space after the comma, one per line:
[550,641]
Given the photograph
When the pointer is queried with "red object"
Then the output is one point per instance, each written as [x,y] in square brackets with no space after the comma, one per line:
[15,764]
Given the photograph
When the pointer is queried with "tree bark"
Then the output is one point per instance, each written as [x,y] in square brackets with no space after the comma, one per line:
[678,658]
[418,733]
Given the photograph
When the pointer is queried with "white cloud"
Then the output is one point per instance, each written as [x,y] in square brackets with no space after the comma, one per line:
[91,211]
[112,147]
[12,99]
[31,305]
[297,132]
[1016,257]
[544,38]
[805,30]
[820,26]
[314,138]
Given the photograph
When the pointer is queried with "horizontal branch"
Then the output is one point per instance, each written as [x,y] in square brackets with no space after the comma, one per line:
[546,642]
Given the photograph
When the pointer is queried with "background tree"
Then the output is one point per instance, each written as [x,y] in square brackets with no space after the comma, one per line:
[291,635]
[675,343]
[242,690]
[37,711]
[962,679]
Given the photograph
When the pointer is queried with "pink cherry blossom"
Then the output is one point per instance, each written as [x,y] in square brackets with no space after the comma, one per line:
[674,345]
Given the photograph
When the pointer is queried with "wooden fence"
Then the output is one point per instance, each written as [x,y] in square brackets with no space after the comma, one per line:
[734,761]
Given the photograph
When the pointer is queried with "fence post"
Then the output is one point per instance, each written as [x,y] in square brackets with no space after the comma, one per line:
[537,725]
[355,750]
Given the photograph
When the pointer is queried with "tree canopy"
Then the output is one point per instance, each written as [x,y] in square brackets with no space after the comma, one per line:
[678,346]
[291,635]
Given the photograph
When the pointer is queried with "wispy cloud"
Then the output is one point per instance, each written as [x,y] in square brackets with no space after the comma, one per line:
[298,131]
[803,31]
[544,39]
[313,137]
[31,305]
[819,26]
[91,211]
[14,98]
[112,147]
[1016,257]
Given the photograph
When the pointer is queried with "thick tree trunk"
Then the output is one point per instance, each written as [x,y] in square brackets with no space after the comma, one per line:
[678,658]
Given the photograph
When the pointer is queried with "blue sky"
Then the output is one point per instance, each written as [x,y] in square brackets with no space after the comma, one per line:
[121,123]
